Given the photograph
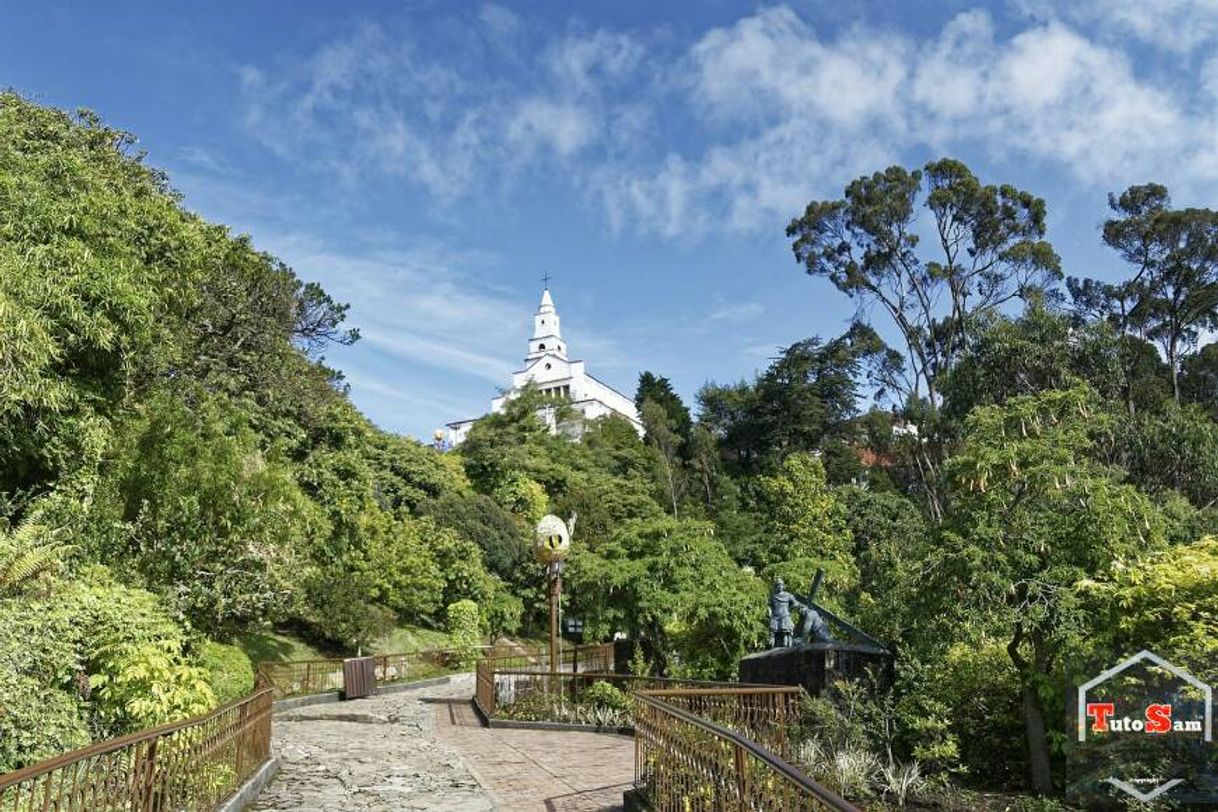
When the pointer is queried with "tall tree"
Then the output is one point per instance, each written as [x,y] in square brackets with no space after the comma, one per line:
[658,389]
[1175,256]
[1032,515]
[990,250]
[663,438]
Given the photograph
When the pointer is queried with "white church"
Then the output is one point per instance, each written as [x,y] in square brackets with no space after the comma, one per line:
[547,365]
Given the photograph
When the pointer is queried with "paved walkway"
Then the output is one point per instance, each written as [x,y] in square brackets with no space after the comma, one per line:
[540,769]
[424,749]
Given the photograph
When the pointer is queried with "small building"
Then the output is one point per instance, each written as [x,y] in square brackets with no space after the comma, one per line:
[548,366]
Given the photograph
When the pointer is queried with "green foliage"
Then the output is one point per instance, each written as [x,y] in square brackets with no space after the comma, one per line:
[604,695]
[37,724]
[29,556]
[669,584]
[149,684]
[230,674]
[191,504]
[891,543]
[463,630]
[1033,514]
[522,496]
[658,390]
[803,520]
[1166,601]
[339,609]
[502,612]
[969,703]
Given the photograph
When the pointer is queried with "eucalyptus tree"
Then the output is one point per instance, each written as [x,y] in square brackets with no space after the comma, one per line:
[1174,253]
[989,249]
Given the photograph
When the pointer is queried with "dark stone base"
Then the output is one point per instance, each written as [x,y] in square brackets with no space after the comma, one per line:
[813,665]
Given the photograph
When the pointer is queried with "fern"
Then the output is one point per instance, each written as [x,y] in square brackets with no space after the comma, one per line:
[26,557]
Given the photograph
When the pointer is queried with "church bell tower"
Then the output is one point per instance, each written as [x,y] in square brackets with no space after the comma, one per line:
[547,337]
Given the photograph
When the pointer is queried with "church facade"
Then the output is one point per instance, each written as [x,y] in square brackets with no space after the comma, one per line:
[548,366]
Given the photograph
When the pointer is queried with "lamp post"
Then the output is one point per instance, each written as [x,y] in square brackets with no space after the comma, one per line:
[551,543]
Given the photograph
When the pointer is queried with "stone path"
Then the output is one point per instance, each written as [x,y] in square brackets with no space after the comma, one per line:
[371,755]
[425,749]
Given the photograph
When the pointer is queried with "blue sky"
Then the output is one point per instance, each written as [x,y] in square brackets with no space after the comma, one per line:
[429,161]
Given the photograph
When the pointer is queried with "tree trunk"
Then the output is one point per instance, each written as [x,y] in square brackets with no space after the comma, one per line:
[1038,743]
[1033,715]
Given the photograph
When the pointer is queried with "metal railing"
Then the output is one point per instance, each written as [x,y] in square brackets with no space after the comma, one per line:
[303,677]
[686,763]
[184,766]
[498,674]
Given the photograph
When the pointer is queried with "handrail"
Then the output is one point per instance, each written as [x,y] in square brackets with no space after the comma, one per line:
[105,746]
[189,765]
[682,785]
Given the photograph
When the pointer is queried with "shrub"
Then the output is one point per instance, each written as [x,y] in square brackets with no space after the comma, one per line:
[463,625]
[151,684]
[229,671]
[603,695]
[339,610]
[37,723]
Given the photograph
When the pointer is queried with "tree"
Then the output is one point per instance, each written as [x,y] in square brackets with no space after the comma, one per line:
[1166,601]
[663,438]
[658,389]
[1199,379]
[670,584]
[1033,515]
[1175,256]
[804,522]
[1046,350]
[990,250]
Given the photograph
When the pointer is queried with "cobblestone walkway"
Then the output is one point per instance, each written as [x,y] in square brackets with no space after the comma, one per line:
[371,755]
[547,770]
[425,749]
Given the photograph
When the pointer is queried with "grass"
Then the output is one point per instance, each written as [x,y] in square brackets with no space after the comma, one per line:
[277,647]
[285,646]
[410,638]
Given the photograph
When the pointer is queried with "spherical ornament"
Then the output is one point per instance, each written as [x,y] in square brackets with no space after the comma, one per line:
[551,540]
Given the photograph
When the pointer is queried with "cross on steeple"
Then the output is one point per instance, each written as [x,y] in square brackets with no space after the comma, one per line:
[545,280]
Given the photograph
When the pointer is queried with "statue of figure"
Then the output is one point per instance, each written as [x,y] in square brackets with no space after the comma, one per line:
[812,627]
[781,625]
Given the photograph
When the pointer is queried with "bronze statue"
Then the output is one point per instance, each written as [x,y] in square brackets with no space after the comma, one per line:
[812,627]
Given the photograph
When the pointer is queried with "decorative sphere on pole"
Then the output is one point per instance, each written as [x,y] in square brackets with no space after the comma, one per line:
[551,543]
[551,539]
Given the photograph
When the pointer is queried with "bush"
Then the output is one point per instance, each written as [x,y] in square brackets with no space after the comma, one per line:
[463,625]
[229,671]
[603,695]
[37,723]
[340,612]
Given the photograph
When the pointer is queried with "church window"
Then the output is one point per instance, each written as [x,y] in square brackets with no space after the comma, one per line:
[547,366]
[541,346]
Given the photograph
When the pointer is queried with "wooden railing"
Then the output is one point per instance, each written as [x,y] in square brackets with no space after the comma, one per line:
[185,766]
[685,762]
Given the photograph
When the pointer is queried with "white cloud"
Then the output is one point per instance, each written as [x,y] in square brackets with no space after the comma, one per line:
[751,120]
[736,312]
[1174,25]
[368,103]
[563,127]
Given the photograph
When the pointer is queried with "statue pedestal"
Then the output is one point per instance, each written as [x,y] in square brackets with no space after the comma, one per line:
[815,666]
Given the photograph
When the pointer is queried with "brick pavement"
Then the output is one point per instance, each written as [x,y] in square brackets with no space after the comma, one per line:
[555,771]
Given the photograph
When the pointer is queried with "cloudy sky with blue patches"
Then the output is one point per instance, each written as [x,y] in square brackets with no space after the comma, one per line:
[429,161]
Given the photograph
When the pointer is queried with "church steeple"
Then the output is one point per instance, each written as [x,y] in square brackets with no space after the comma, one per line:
[547,337]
